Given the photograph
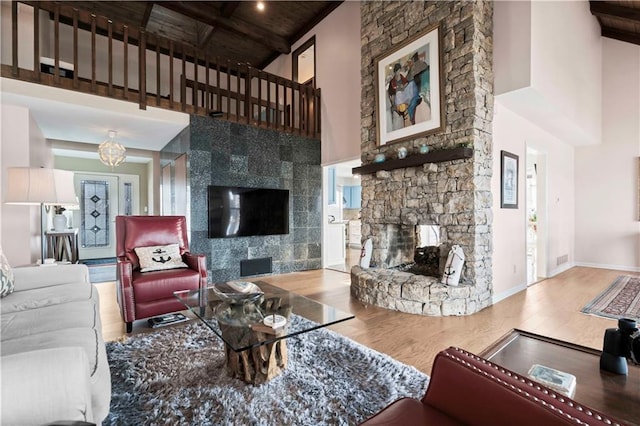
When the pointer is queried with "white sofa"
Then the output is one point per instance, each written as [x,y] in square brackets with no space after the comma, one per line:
[54,363]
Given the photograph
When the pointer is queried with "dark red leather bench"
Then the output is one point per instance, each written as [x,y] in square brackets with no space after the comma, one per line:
[468,390]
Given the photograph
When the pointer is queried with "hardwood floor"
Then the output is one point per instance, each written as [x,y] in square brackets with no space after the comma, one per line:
[550,307]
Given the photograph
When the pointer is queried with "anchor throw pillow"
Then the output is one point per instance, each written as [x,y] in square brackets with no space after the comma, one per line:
[159,258]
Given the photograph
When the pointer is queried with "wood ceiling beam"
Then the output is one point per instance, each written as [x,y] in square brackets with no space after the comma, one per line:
[621,35]
[609,10]
[202,12]
[207,37]
[147,15]
[228,7]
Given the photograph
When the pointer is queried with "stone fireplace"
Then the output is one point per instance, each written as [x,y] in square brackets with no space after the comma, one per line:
[454,194]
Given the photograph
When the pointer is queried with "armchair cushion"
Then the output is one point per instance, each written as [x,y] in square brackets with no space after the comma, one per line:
[159,258]
[156,285]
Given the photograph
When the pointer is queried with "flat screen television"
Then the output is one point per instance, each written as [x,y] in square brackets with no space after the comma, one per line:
[244,212]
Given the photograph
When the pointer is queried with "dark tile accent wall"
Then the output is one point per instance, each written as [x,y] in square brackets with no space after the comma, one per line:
[224,153]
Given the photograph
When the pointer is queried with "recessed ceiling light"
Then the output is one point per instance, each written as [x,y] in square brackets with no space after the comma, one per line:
[260,6]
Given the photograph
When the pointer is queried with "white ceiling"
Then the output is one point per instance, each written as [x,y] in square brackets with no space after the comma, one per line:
[76,117]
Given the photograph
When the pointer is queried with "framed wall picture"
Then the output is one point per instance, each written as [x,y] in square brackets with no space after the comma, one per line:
[508,180]
[409,88]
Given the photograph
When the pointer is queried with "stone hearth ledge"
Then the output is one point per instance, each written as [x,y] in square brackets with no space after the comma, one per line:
[415,294]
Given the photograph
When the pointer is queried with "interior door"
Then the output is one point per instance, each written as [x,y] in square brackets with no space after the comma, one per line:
[98,196]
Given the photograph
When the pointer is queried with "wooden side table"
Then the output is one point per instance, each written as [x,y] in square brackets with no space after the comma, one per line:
[63,245]
[613,394]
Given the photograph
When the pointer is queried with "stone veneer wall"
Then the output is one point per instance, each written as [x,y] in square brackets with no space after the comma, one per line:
[231,154]
[457,194]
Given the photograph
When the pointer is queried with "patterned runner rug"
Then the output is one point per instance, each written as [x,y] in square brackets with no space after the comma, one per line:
[620,300]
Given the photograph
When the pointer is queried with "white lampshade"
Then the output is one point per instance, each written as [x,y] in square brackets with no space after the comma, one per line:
[27,185]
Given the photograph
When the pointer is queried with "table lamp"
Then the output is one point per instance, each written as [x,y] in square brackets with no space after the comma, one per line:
[32,186]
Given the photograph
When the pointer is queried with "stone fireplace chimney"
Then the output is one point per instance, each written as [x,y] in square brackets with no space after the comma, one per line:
[454,194]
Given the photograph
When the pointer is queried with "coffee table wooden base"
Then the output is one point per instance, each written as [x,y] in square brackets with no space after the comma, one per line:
[259,364]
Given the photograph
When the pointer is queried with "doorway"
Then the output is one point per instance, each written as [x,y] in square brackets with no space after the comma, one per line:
[536,207]
[342,238]
[101,198]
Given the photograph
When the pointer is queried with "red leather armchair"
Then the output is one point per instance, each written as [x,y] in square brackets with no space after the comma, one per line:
[468,390]
[147,294]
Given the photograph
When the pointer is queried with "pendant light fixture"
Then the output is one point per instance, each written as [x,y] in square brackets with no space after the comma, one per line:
[111,152]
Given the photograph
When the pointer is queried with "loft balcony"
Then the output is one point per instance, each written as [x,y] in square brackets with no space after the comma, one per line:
[62,46]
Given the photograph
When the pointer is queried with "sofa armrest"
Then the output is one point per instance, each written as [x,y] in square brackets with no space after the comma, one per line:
[31,277]
[197,262]
[46,385]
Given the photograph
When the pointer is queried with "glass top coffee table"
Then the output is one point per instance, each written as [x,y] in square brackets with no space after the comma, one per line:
[253,331]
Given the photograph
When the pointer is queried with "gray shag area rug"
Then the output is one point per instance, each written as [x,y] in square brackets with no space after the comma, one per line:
[178,376]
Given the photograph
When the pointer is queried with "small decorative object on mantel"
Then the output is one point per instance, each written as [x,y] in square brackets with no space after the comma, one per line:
[379,158]
[424,148]
[402,152]
[453,267]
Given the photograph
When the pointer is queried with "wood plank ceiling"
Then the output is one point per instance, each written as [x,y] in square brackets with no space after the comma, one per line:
[619,20]
[234,30]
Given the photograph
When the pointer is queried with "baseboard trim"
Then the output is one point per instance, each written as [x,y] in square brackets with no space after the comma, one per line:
[614,267]
[508,293]
[560,269]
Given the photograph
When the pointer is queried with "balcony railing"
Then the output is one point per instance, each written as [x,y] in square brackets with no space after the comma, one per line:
[62,46]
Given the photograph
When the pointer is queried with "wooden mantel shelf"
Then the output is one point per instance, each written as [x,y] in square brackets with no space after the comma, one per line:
[415,160]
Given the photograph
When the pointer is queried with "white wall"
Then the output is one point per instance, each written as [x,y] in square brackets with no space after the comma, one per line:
[607,229]
[22,145]
[511,46]
[338,76]
[514,133]
[561,91]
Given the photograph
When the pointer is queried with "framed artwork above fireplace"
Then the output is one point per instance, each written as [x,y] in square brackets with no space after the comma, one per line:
[508,180]
[409,88]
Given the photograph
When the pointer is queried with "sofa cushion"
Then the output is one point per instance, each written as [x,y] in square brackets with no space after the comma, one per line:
[86,338]
[55,317]
[45,385]
[159,258]
[46,296]
[32,277]
[6,276]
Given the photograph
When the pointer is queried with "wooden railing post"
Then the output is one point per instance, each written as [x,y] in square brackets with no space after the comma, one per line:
[36,41]
[157,72]
[76,68]
[183,86]
[56,45]
[247,93]
[14,36]
[142,69]
[171,95]
[207,99]
[110,60]
[125,45]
